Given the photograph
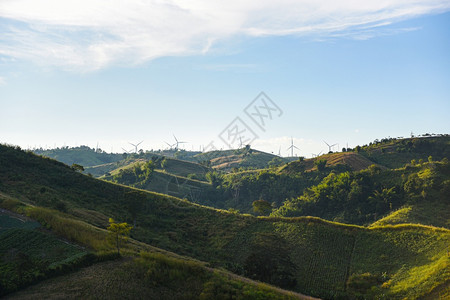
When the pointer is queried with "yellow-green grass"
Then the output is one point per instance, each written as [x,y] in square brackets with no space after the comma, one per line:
[434,213]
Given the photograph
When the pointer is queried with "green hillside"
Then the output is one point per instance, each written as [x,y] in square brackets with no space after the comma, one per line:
[152,276]
[235,188]
[366,196]
[344,160]
[395,153]
[28,253]
[305,254]
[226,160]
[154,272]
[82,155]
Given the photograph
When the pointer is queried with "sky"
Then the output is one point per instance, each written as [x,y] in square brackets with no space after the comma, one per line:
[220,74]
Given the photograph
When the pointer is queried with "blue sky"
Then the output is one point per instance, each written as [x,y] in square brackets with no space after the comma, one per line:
[343,75]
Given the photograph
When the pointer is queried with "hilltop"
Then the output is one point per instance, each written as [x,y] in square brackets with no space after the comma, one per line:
[227,160]
[346,160]
[395,152]
[82,155]
[306,254]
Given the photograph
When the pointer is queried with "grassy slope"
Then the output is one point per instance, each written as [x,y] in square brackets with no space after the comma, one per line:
[28,253]
[228,159]
[397,153]
[171,181]
[82,155]
[435,213]
[184,168]
[151,276]
[316,247]
[354,161]
[156,274]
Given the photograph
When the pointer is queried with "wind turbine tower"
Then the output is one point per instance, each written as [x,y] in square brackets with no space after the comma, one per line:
[177,142]
[292,147]
[135,146]
[329,146]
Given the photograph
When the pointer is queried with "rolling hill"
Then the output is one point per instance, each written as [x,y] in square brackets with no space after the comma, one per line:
[418,193]
[348,160]
[395,153]
[306,254]
[226,160]
[82,155]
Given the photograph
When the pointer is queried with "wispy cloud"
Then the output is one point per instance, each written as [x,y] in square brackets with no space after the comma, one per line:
[87,35]
[237,68]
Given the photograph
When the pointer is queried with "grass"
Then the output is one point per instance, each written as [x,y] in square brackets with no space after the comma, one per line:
[323,254]
[398,152]
[353,161]
[82,155]
[226,160]
[29,253]
[152,276]
[436,213]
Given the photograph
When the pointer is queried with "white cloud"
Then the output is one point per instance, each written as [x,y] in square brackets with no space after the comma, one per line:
[2,81]
[88,35]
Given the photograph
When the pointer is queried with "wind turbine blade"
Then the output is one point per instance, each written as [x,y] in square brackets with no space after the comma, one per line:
[333,145]
[296,147]
[326,143]
[175,138]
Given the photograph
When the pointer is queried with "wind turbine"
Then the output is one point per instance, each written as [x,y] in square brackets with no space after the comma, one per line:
[292,147]
[329,146]
[126,151]
[240,142]
[316,155]
[135,146]
[177,142]
[279,151]
[170,145]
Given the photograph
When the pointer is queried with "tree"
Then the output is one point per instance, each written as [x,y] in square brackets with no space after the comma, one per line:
[269,261]
[164,163]
[321,164]
[214,178]
[275,162]
[262,207]
[430,159]
[77,167]
[118,233]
